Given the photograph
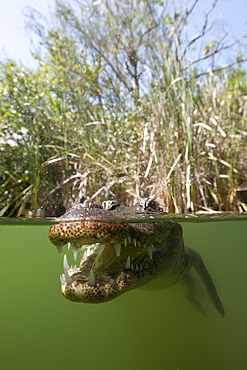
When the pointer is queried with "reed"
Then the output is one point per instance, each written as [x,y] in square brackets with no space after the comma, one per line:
[185,144]
[90,126]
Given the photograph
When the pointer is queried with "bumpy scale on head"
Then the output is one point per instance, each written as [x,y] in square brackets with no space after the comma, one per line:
[88,224]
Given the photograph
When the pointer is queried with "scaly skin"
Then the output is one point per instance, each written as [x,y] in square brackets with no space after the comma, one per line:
[126,255]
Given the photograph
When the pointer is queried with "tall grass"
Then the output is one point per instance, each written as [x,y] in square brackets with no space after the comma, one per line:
[100,124]
[202,143]
[186,146]
[184,143]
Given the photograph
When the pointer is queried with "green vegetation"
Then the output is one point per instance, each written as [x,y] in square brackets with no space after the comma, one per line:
[118,109]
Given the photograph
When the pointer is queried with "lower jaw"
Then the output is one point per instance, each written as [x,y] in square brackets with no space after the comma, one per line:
[105,288]
[92,282]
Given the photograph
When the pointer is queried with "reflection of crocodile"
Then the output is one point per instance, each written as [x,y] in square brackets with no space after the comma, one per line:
[127,255]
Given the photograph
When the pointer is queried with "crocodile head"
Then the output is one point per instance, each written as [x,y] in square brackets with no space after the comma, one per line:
[119,256]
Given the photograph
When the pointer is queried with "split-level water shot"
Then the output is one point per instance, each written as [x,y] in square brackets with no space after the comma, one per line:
[123,185]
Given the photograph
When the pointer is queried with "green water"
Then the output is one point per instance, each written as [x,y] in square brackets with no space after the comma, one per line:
[158,329]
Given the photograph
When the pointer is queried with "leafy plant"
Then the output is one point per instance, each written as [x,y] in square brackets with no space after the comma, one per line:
[119,108]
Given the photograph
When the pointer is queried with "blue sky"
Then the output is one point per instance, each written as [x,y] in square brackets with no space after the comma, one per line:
[15,40]
[14,37]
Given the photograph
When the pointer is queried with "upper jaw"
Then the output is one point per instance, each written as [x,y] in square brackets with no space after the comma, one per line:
[81,233]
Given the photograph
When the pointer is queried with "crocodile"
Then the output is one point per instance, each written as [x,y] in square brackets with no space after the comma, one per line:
[123,255]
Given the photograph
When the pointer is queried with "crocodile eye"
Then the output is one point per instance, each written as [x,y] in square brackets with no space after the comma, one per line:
[153,206]
[148,204]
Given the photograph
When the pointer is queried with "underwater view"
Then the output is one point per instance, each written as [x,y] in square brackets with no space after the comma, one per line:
[148,329]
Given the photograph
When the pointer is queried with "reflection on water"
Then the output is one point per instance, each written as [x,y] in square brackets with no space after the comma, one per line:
[153,329]
[204,217]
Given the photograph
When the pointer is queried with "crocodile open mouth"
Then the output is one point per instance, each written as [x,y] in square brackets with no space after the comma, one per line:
[106,271]
[117,256]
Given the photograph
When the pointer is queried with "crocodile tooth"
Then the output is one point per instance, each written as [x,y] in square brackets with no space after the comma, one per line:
[78,243]
[122,276]
[141,267]
[91,279]
[65,263]
[127,266]
[139,243]
[62,279]
[60,250]
[117,249]
[69,245]
[74,251]
[132,267]
[68,278]
[150,251]
[112,282]
[134,241]
[125,242]
[129,238]
[137,268]
[101,248]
